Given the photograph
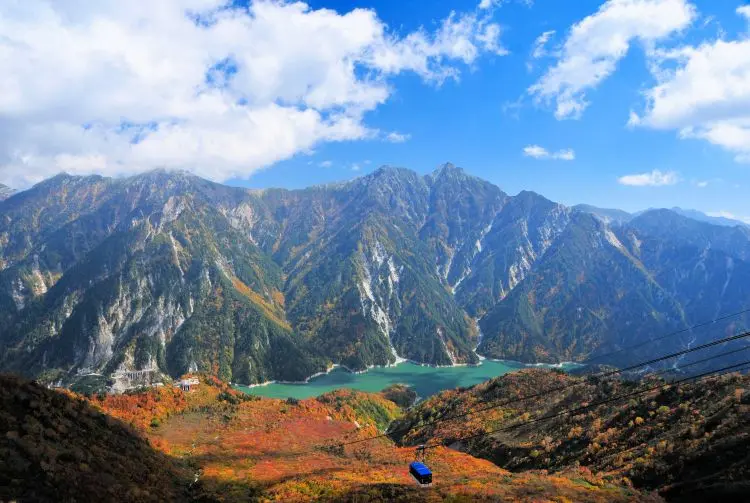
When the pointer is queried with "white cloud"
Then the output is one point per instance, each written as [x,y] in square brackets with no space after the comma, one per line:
[489,4]
[325,164]
[395,137]
[596,44]
[701,184]
[703,92]
[121,87]
[730,215]
[542,153]
[540,44]
[744,10]
[654,179]
[356,167]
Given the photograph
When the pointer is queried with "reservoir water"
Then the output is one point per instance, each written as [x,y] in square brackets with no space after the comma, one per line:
[424,380]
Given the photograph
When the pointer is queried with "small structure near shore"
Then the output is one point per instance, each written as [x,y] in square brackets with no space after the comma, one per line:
[188,384]
[123,380]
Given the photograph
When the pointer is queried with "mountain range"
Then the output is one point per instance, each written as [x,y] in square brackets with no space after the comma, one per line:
[616,216]
[168,273]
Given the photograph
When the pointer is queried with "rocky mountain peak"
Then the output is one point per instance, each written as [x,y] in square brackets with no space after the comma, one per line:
[526,200]
[387,171]
[448,171]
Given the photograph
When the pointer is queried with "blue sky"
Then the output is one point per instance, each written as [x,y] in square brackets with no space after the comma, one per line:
[627,103]
[469,123]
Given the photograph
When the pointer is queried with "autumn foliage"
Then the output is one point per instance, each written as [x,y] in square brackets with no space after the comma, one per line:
[676,439]
[215,444]
[57,447]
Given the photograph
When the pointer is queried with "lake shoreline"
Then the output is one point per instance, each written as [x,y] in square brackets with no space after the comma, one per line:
[375,378]
[404,360]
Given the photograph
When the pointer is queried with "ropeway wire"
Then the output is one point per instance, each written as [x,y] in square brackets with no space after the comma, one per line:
[555,390]
[601,375]
[696,362]
[671,334]
[578,410]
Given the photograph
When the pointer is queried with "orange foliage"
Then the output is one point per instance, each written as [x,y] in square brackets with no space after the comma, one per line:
[278,297]
[269,310]
[140,409]
[153,406]
[287,451]
[246,448]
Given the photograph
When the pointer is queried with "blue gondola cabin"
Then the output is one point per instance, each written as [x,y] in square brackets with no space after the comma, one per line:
[421,473]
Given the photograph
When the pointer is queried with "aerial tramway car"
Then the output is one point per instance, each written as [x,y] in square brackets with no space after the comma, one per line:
[418,469]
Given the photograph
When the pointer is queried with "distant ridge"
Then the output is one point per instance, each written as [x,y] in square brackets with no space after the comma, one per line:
[702,217]
[607,215]
[616,216]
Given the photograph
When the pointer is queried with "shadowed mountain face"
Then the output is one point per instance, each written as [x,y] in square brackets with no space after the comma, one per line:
[58,447]
[168,272]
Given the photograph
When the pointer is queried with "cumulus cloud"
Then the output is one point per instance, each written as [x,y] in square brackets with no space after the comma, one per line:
[540,44]
[489,4]
[728,214]
[596,44]
[121,87]
[654,179]
[537,152]
[325,164]
[703,92]
[744,10]
[395,137]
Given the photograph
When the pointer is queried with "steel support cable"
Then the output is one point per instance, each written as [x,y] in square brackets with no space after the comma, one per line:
[578,410]
[671,334]
[554,390]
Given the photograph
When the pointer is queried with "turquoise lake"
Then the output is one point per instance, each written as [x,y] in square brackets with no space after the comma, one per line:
[424,380]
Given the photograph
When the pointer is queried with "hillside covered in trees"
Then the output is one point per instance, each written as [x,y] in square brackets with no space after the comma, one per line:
[214,444]
[687,441]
